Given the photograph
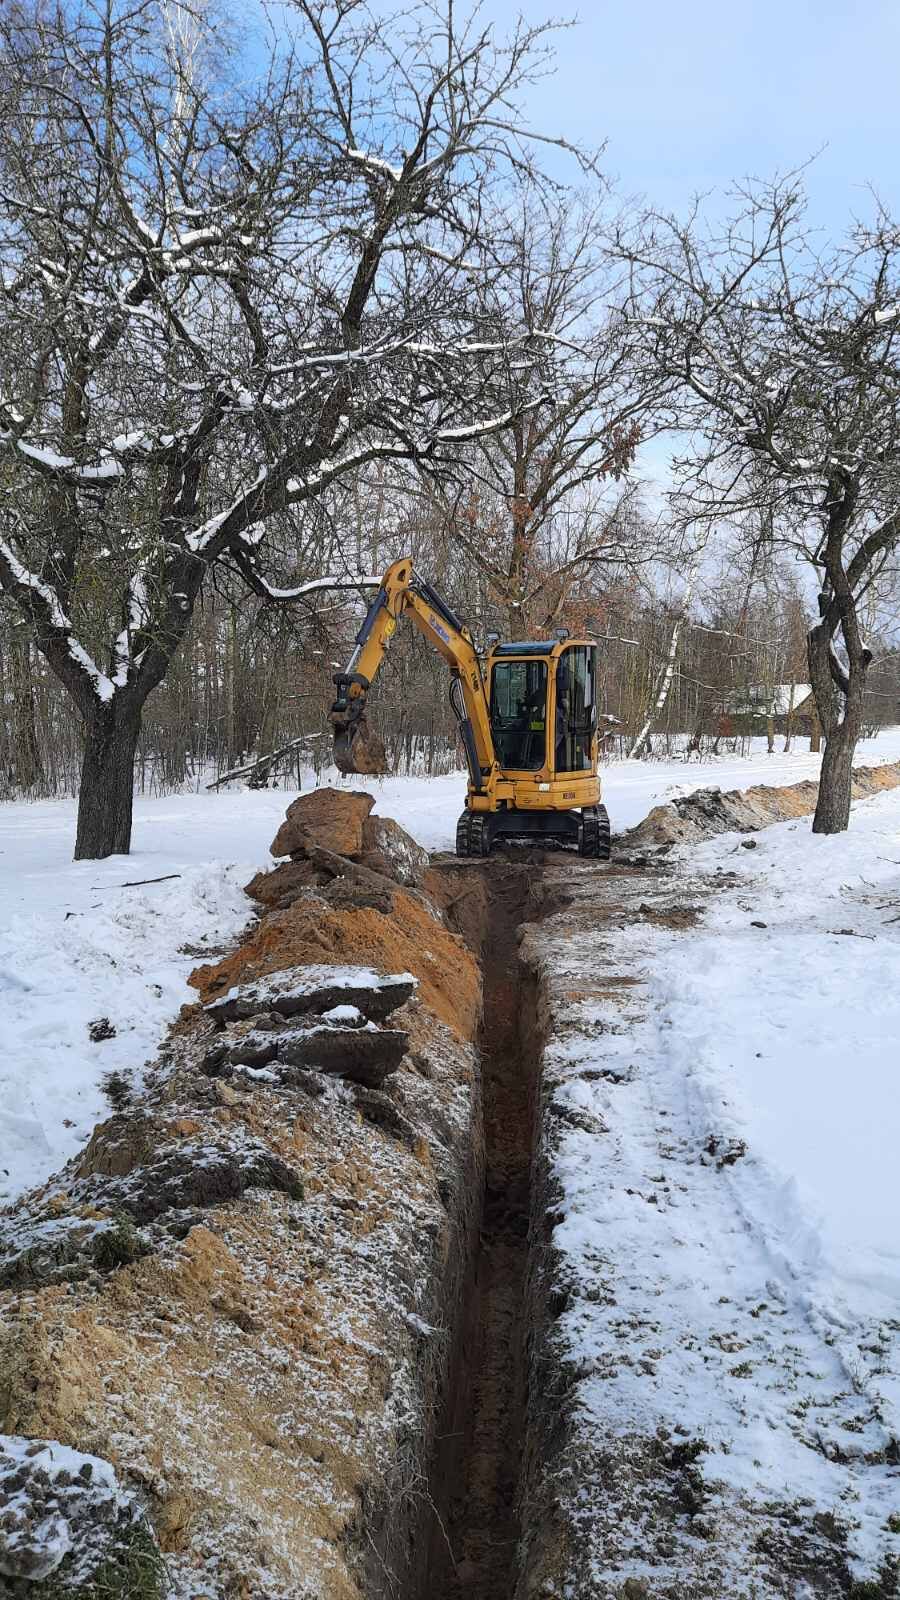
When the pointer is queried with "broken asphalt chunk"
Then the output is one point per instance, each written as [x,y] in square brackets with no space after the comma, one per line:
[315,989]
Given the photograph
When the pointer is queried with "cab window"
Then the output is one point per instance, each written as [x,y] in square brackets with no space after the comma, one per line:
[519,714]
[576,708]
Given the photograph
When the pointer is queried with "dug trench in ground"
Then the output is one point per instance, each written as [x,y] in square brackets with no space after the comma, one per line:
[474,1480]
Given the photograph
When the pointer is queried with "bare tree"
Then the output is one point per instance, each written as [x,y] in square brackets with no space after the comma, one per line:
[783,368]
[530,505]
[217,302]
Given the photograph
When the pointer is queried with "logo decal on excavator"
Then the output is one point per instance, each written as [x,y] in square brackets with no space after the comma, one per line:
[438,628]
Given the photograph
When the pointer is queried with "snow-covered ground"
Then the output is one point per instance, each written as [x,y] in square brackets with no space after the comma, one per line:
[77,946]
[739,1194]
[788,1037]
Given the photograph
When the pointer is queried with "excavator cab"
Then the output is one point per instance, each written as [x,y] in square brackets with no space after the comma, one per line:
[543,700]
[528,722]
[543,706]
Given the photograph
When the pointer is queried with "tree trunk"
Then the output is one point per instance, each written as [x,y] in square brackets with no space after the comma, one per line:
[832,813]
[833,805]
[107,782]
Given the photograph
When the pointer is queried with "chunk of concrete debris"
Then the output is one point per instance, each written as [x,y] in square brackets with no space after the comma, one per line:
[316,989]
[390,850]
[278,888]
[65,1513]
[332,818]
[362,1055]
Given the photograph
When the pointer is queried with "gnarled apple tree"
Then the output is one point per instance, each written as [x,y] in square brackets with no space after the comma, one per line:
[783,373]
[217,301]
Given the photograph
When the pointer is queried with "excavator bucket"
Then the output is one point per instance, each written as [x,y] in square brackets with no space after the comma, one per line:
[358,749]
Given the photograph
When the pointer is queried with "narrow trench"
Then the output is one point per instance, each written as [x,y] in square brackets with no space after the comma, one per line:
[474,1479]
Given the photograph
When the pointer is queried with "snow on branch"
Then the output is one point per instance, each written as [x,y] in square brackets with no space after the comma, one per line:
[137,618]
[55,620]
[374,164]
[110,466]
[348,580]
[482,430]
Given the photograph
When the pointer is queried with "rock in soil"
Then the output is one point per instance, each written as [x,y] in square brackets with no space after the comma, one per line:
[153,1172]
[364,1055]
[276,888]
[332,818]
[64,1515]
[390,850]
[316,989]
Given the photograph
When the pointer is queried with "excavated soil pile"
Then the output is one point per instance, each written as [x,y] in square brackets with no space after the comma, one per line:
[404,937]
[346,897]
[236,1295]
[690,818]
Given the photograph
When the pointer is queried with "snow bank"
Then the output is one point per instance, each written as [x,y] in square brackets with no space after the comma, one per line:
[77,947]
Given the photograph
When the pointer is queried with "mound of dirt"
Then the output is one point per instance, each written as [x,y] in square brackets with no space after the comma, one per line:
[690,818]
[410,938]
[237,1294]
[336,823]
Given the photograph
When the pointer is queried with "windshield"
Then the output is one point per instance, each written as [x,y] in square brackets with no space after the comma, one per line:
[519,713]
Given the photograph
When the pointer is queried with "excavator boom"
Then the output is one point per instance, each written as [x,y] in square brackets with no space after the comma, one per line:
[357,749]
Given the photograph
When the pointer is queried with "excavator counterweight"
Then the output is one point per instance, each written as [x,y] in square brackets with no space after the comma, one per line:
[528,721]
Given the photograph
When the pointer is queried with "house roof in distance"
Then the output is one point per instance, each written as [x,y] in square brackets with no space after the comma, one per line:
[769,699]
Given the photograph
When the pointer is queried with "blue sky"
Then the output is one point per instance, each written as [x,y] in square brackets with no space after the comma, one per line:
[691,95]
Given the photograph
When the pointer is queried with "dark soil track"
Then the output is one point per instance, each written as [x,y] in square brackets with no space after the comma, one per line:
[475,1478]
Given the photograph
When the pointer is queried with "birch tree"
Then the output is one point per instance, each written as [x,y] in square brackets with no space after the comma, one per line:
[218,300]
[662,688]
[783,367]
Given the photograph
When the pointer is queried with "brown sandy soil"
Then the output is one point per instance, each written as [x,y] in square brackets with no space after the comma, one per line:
[268,1374]
[410,939]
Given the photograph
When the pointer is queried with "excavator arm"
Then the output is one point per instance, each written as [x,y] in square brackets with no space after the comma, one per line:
[404,592]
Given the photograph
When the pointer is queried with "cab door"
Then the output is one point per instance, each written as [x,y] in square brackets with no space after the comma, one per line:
[575,716]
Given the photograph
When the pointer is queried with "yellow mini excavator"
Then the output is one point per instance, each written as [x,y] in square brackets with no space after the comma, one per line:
[529,723]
